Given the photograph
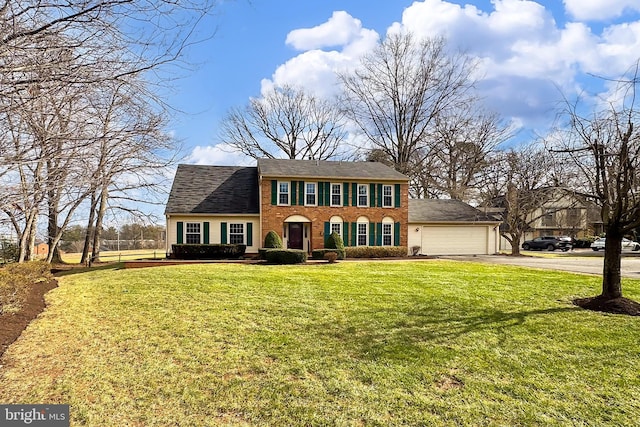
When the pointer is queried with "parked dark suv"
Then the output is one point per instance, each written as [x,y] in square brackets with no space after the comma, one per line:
[550,243]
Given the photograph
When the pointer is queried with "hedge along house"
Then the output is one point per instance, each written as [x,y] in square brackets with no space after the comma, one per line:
[214,204]
[306,200]
[302,200]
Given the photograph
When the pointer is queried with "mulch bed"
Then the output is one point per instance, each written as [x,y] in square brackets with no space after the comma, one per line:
[12,325]
[610,305]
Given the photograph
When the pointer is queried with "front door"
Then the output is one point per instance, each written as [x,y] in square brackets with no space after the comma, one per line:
[295,235]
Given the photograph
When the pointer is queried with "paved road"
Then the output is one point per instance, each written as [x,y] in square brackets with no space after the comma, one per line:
[577,262]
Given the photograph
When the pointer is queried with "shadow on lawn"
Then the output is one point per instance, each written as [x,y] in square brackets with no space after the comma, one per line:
[61,270]
[409,335]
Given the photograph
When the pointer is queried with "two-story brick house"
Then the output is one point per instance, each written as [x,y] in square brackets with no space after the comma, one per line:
[302,200]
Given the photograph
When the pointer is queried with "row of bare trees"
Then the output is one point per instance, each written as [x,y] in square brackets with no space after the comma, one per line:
[81,124]
[413,105]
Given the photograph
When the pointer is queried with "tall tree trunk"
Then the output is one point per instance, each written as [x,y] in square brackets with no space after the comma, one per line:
[88,238]
[104,195]
[514,240]
[611,280]
[52,229]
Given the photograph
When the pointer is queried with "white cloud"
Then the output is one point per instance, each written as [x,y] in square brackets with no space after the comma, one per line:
[315,69]
[220,154]
[599,10]
[339,30]
[527,59]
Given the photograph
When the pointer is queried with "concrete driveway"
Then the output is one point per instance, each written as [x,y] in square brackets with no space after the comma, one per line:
[579,261]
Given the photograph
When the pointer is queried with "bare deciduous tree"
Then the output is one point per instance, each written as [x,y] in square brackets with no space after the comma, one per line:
[605,146]
[399,91]
[286,121]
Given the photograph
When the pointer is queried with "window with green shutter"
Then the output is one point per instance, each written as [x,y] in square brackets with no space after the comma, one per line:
[354,194]
[301,185]
[345,189]
[345,233]
[180,233]
[223,233]
[379,194]
[397,196]
[378,234]
[396,234]
[249,234]
[320,193]
[327,231]
[294,193]
[205,232]
[372,234]
[274,192]
[372,195]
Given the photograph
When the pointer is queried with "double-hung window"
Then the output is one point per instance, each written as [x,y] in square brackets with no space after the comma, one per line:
[363,195]
[192,235]
[387,196]
[387,234]
[336,227]
[310,194]
[362,233]
[283,193]
[236,234]
[336,194]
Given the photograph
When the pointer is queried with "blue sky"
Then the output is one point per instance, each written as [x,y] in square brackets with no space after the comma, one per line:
[529,51]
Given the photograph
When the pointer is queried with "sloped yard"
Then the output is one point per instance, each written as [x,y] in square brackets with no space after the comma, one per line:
[353,343]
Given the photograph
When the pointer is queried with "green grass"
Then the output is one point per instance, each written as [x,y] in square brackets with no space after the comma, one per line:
[117,256]
[353,343]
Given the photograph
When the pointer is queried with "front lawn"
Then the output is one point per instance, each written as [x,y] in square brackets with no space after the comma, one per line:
[353,343]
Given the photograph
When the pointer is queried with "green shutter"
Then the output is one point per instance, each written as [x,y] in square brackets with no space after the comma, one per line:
[327,232]
[345,196]
[396,234]
[397,196]
[327,194]
[372,234]
[249,234]
[319,193]
[354,194]
[301,193]
[180,233]
[345,233]
[378,234]
[274,192]
[354,234]
[379,196]
[223,233]
[294,193]
[372,195]
[205,233]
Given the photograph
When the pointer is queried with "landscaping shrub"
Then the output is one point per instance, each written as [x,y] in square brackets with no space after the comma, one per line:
[320,253]
[16,281]
[584,242]
[331,257]
[272,240]
[216,251]
[286,256]
[8,251]
[376,251]
[334,241]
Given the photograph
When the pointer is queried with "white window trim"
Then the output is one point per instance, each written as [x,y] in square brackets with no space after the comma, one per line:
[199,233]
[392,196]
[390,225]
[366,186]
[315,184]
[366,234]
[244,232]
[288,193]
[331,194]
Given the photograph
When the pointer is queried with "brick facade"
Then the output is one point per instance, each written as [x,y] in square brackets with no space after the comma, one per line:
[274,216]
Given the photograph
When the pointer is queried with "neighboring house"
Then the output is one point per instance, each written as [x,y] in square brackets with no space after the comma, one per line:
[451,227]
[565,213]
[302,200]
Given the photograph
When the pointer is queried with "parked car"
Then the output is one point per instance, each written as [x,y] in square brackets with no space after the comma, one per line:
[626,244]
[550,243]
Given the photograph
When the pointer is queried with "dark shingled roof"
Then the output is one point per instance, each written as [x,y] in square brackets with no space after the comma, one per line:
[214,190]
[327,169]
[433,210]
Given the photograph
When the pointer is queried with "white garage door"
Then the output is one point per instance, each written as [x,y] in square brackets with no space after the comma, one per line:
[458,240]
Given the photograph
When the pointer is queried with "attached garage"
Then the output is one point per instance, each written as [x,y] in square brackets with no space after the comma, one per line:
[451,227]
